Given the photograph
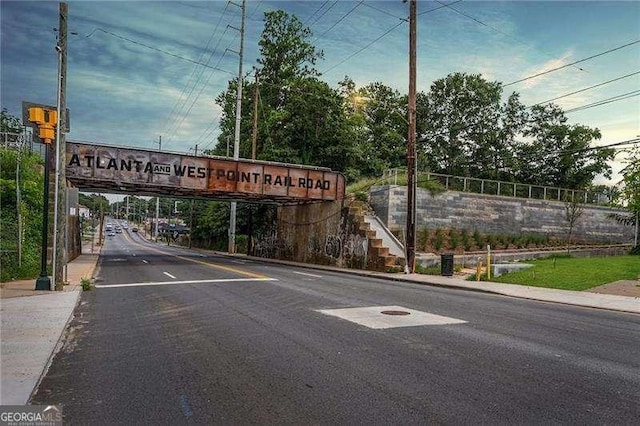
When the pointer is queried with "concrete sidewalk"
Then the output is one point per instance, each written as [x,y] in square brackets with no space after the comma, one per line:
[31,327]
[33,322]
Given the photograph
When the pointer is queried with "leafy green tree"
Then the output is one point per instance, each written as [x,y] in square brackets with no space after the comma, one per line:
[464,128]
[385,111]
[31,180]
[631,192]
[9,123]
[560,154]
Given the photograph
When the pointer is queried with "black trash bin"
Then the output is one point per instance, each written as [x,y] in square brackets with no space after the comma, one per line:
[446,264]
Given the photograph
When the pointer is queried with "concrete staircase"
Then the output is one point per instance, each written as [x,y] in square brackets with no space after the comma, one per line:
[384,254]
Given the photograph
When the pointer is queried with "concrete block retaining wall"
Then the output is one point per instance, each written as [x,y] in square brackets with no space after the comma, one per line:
[497,215]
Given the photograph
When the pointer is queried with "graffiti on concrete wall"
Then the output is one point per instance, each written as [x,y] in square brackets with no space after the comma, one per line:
[333,246]
[272,246]
[356,245]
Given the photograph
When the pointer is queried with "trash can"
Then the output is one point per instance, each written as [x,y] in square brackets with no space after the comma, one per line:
[446,264]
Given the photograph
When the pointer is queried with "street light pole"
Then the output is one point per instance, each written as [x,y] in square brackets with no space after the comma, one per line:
[43,282]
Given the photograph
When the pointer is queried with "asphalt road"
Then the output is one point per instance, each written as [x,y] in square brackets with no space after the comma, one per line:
[172,336]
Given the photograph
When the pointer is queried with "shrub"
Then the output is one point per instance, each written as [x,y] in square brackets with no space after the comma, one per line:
[478,239]
[465,240]
[454,239]
[423,238]
[86,284]
[438,240]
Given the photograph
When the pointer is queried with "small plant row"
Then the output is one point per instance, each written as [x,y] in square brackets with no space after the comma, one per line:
[439,240]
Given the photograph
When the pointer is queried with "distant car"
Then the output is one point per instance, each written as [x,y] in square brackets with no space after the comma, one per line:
[134,229]
[118,231]
[111,234]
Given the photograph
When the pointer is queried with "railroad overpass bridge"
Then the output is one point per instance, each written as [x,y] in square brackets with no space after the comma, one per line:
[115,169]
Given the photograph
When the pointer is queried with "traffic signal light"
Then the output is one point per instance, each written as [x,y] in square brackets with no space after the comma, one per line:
[46,119]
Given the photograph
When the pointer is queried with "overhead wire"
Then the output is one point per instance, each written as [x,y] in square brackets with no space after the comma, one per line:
[155,48]
[193,80]
[317,10]
[323,13]
[490,26]
[616,98]
[587,88]
[387,32]
[203,86]
[339,20]
[570,64]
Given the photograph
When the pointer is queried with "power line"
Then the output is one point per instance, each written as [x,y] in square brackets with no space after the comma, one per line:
[364,48]
[402,21]
[587,88]
[196,73]
[572,63]
[323,13]
[617,98]
[339,20]
[156,49]
[369,5]
[317,10]
[491,27]
[439,7]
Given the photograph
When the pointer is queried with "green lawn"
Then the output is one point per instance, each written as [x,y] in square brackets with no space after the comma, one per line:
[575,273]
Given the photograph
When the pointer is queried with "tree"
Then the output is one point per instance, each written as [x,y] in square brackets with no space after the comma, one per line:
[631,193]
[560,154]
[573,212]
[464,129]
[9,123]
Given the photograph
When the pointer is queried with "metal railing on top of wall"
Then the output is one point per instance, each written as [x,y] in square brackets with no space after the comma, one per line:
[503,188]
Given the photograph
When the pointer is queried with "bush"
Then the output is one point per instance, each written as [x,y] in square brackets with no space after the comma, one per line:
[86,284]
[438,240]
[478,239]
[454,239]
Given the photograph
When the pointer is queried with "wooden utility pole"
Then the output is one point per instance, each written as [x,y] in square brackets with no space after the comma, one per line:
[195,152]
[411,144]
[254,136]
[254,145]
[60,187]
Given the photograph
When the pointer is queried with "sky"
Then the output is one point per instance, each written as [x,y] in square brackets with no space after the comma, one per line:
[138,70]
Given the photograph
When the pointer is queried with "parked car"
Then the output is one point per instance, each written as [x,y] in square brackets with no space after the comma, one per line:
[134,229]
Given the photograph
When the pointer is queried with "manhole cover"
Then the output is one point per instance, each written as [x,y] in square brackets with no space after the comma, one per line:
[395,313]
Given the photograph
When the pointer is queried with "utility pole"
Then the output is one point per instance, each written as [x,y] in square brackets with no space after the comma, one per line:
[254,136]
[157,197]
[195,152]
[236,141]
[411,145]
[59,204]
[254,145]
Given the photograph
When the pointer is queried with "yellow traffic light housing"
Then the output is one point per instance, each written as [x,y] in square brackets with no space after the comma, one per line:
[36,115]
[46,119]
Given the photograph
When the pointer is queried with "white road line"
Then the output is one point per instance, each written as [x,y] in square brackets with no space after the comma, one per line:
[169,275]
[145,261]
[222,280]
[307,275]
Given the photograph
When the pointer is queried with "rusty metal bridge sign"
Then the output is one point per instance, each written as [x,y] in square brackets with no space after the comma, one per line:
[146,172]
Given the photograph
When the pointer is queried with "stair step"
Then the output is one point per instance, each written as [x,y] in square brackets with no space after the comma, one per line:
[381,251]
